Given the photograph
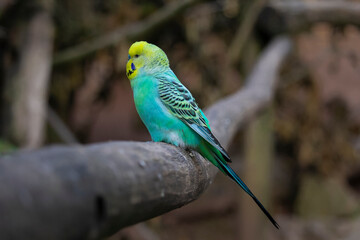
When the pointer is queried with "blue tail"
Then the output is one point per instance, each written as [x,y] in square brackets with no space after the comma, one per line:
[228,171]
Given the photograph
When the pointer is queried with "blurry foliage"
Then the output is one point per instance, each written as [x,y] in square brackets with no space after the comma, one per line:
[6,147]
[317,124]
[321,132]
[77,21]
[316,117]
[323,197]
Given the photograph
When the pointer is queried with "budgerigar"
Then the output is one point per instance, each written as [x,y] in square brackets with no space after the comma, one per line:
[169,111]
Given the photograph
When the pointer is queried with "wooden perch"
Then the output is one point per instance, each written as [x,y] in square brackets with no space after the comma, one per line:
[131,31]
[294,16]
[87,192]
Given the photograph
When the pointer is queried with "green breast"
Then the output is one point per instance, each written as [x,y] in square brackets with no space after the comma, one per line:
[162,125]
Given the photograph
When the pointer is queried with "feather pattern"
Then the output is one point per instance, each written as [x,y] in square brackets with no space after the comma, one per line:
[178,99]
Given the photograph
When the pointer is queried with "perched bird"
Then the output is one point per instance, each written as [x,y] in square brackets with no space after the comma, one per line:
[170,113]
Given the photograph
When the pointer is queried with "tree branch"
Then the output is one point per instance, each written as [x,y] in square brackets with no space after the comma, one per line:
[60,127]
[85,192]
[131,31]
[294,16]
[244,31]
[29,85]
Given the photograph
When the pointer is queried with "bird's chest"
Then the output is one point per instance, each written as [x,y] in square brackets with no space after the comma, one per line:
[162,125]
[150,108]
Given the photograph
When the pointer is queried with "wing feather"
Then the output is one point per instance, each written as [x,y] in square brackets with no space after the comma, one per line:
[178,99]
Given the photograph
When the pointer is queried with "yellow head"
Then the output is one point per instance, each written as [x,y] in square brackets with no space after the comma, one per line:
[145,58]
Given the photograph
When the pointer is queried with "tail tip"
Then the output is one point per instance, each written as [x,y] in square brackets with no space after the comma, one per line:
[276,225]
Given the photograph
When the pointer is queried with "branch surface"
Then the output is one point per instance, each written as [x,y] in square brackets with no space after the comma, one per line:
[88,192]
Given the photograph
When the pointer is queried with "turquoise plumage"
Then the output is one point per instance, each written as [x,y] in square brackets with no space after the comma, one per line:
[170,113]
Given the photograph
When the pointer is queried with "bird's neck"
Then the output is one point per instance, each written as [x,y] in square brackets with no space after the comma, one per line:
[155,71]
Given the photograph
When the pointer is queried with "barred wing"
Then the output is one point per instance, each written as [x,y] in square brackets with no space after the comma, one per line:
[181,104]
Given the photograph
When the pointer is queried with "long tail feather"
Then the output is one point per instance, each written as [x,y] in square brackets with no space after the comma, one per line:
[228,170]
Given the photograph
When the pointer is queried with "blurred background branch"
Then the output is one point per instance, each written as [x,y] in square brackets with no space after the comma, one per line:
[244,31]
[26,89]
[296,16]
[131,31]
[60,128]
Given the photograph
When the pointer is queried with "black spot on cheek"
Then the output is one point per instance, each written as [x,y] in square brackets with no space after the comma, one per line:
[100,208]
[129,72]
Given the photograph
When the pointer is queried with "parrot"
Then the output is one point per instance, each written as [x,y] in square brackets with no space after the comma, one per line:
[171,114]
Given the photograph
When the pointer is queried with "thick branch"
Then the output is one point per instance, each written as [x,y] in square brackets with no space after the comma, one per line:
[294,16]
[91,191]
[131,31]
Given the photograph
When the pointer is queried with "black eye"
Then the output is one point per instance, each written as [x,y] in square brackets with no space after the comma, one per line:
[136,55]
